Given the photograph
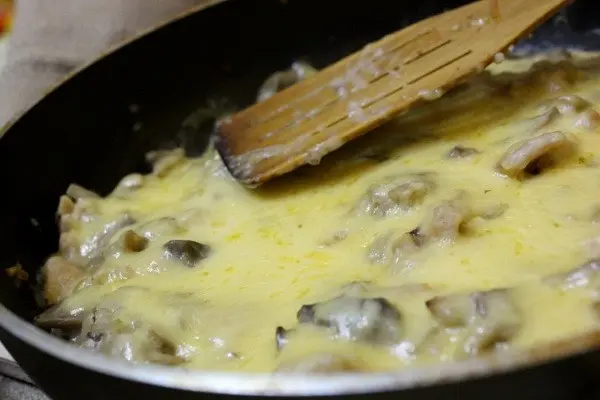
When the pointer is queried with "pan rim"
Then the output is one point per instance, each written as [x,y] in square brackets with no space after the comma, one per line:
[297,384]
[268,384]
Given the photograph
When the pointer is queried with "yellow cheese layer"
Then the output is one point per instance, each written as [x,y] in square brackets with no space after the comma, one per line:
[273,249]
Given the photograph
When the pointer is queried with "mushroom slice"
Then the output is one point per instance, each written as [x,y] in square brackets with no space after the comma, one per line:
[60,279]
[128,185]
[459,152]
[65,206]
[61,317]
[373,320]
[391,249]
[455,310]
[132,242]
[566,105]
[128,339]
[443,225]
[530,156]
[396,194]
[531,125]
[581,276]
[188,252]
[77,192]
[445,220]
[589,120]
[488,318]
[94,244]
[115,329]
[281,337]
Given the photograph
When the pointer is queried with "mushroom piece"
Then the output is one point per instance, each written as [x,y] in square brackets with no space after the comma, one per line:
[283,79]
[100,239]
[356,288]
[188,252]
[84,210]
[558,76]
[480,218]
[131,242]
[281,337]
[60,279]
[128,185]
[373,320]
[462,152]
[159,350]
[109,331]
[60,317]
[531,125]
[100,272]
[566,105]
[453,310]
[489,318]
[443,224]
[105,266]
[391,249]
[115,329]
[435,341]
[69,248]
[114,326]
[320,363]
[579,277]
[163,161]
[79,206]
[530,156]
[336,237]
[589,120]
[65,206]
[445,220]
[396,194]
[77,192]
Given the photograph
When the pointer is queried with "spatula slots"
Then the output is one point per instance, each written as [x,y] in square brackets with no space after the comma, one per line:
[304,122]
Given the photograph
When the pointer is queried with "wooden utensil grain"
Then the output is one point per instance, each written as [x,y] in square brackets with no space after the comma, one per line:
[302,123]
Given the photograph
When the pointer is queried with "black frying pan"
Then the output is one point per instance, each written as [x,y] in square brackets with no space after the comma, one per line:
[84,132]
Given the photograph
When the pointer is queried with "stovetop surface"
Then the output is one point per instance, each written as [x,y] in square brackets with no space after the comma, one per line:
[14,384]
[4,354]
[12,389]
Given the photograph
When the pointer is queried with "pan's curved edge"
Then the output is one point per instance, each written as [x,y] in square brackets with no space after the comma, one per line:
[264,384]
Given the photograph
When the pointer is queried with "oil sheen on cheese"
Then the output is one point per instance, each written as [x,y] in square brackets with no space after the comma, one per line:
[313,236]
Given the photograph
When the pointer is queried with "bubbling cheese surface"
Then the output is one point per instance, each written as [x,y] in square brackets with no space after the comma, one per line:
[330,232]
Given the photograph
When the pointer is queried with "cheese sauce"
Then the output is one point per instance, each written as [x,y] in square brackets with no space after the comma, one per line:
[448,233]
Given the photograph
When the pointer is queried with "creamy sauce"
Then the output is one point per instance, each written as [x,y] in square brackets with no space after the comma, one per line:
[303,239]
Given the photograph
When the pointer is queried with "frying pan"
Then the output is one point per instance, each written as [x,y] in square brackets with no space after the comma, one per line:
[96,126]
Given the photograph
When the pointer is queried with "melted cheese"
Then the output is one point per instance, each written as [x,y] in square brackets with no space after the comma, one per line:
[273,248]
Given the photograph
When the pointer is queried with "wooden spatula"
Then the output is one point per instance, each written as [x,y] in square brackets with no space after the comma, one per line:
[316,116]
